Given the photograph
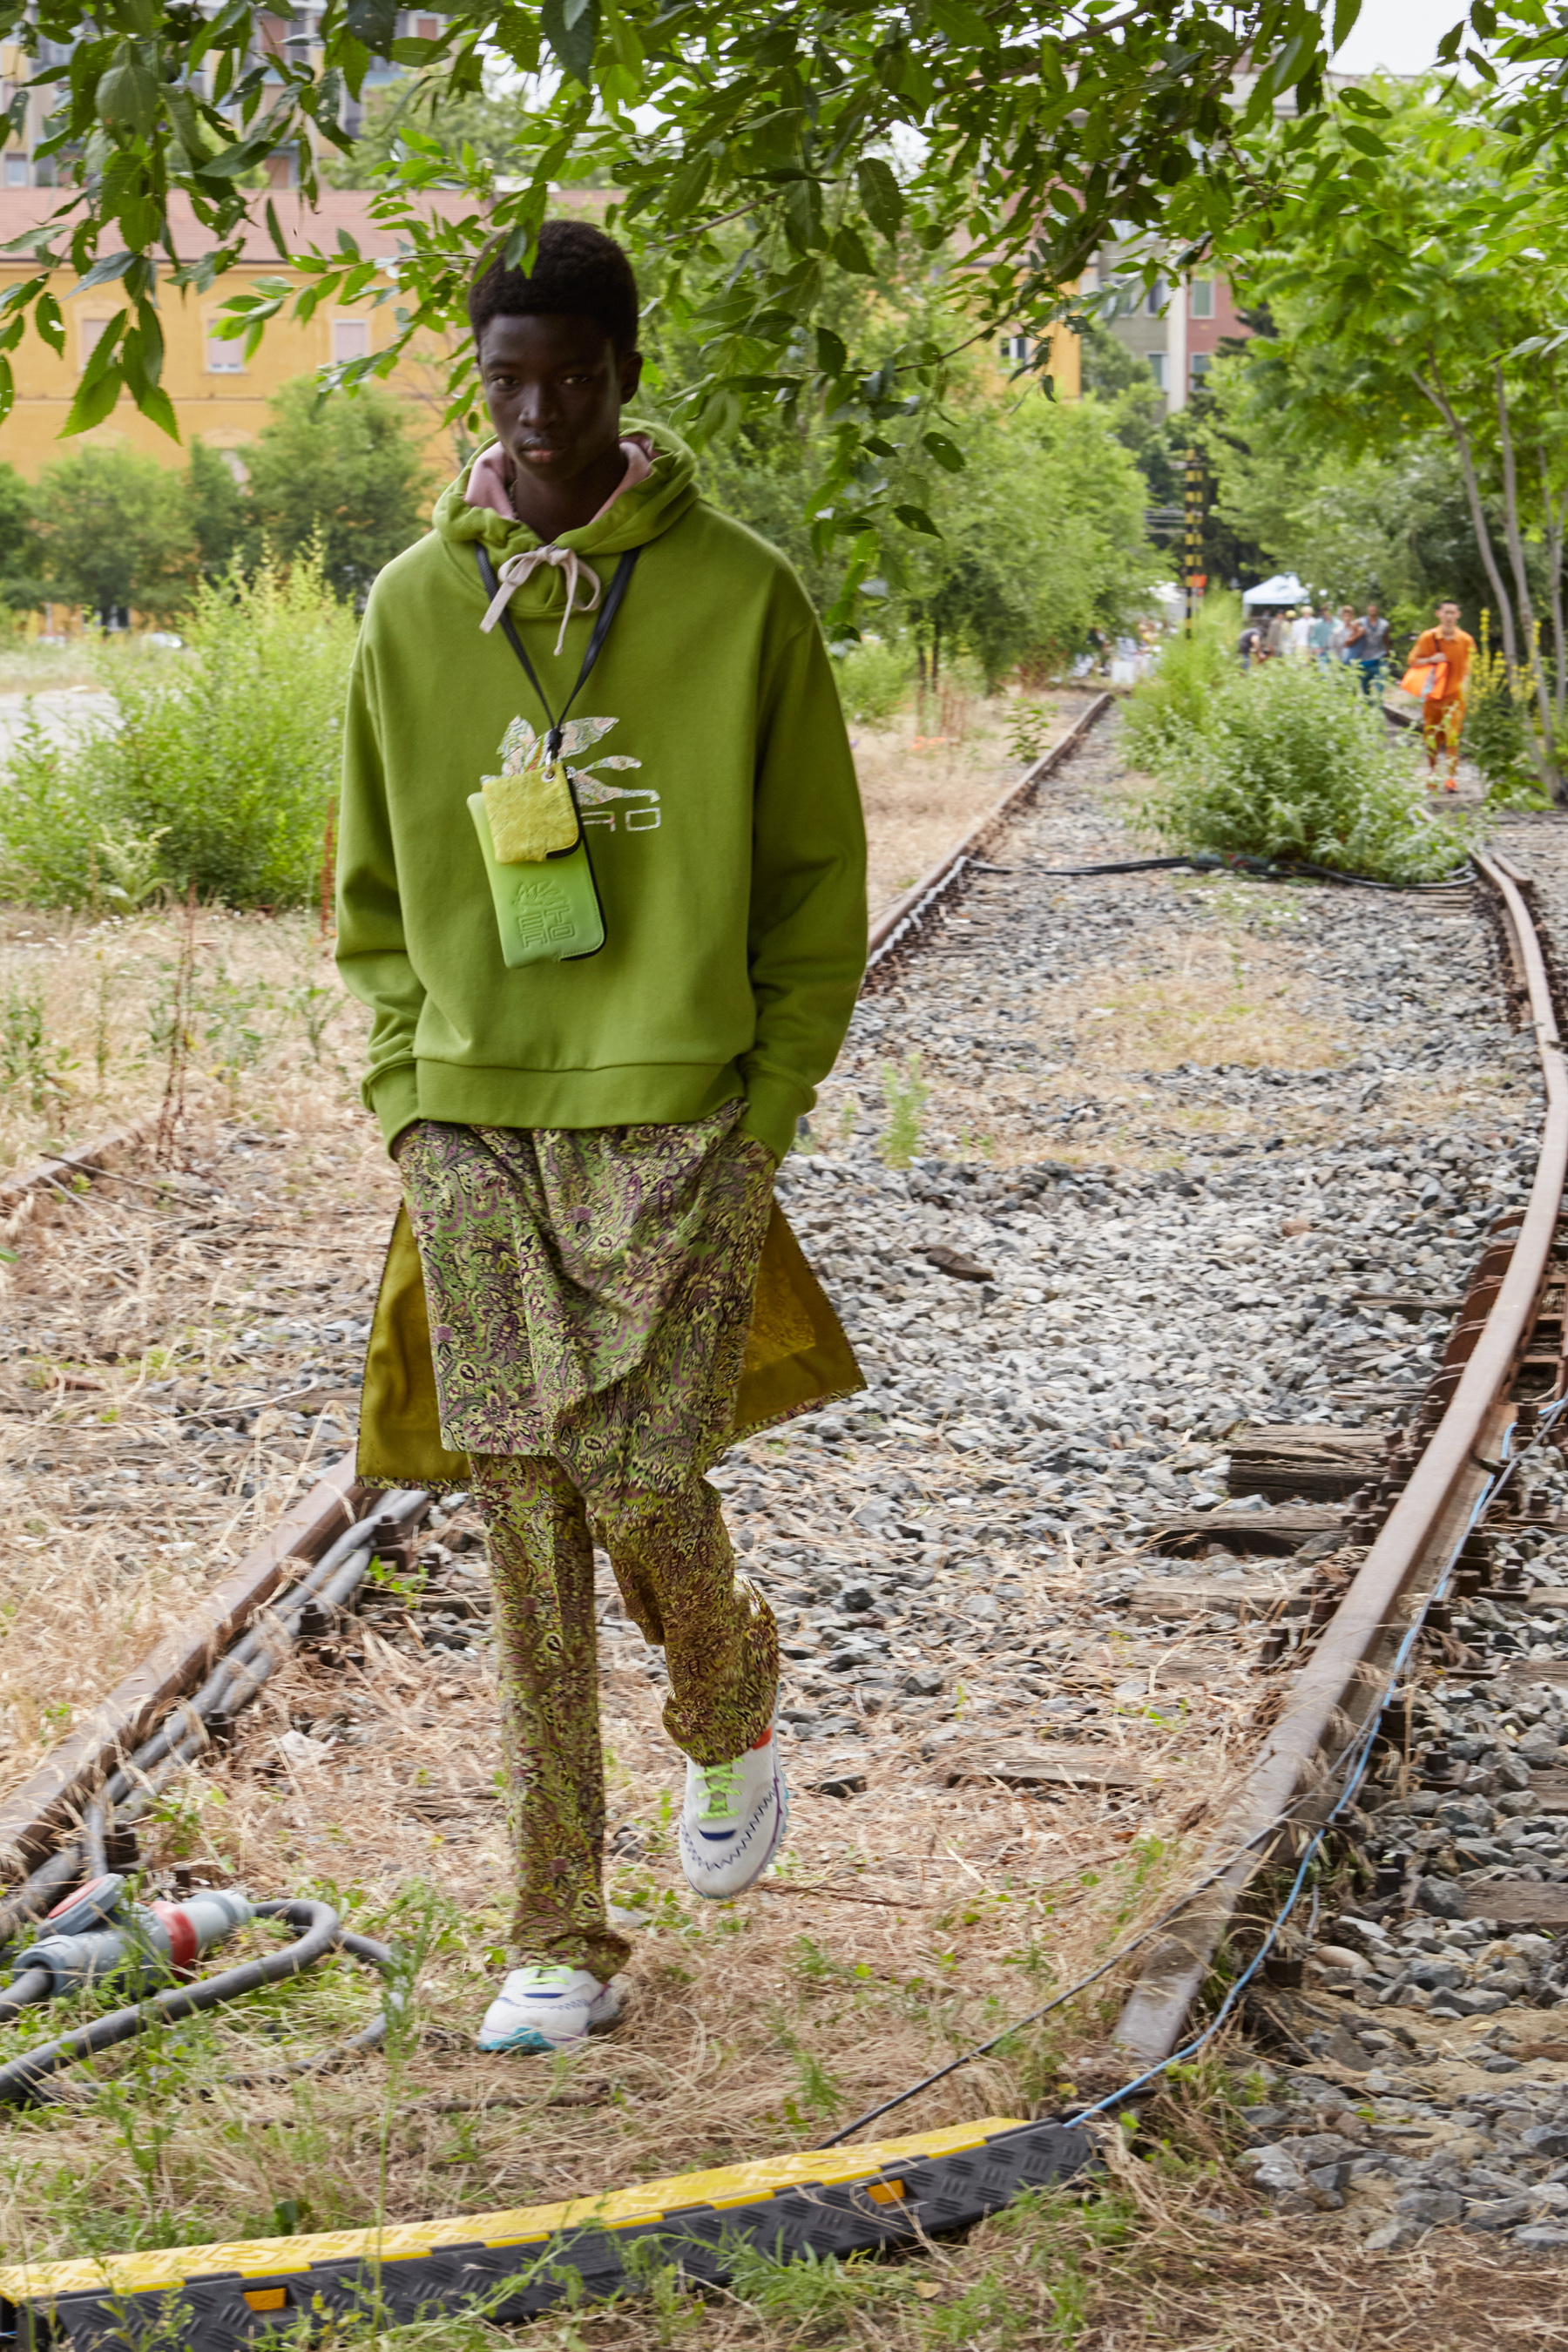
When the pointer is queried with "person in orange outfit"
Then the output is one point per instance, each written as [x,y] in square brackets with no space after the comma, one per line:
[1443,713]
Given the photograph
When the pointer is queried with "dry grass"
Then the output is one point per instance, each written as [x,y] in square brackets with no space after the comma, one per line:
[1223,997]
[929,775]
[29,667]
[85,1011]
[908,1922]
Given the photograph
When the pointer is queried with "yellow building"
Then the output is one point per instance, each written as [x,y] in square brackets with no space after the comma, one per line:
[217,392]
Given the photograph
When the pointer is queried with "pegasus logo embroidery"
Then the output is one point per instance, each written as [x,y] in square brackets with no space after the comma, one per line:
[521,748]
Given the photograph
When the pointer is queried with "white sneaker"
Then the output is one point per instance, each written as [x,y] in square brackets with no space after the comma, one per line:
[733,1820]
[549,2009]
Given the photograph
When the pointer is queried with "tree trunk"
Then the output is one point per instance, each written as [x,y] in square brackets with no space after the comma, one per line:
[1555,518]
[1521,578]
[1434,392]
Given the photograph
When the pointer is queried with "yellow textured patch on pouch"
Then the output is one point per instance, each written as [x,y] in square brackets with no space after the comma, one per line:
[531,816]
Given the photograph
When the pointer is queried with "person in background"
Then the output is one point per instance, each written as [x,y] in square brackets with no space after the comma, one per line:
[1278,640]
[1301,634]
[1372,650]
[1443,713]
[1347,630]
[1246,645]
[1321,637]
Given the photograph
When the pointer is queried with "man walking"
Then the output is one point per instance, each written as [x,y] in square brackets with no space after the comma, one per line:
[599,1008]
[1444,655]
[1370,651]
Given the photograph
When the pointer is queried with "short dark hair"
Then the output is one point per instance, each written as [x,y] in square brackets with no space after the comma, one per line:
[578,272]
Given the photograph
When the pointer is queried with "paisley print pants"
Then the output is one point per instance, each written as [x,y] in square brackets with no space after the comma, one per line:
[590,1293]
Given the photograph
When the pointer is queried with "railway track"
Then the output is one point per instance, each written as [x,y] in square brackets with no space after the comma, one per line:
[1268,1629]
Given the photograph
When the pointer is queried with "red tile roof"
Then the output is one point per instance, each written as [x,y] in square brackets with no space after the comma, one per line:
[348,208]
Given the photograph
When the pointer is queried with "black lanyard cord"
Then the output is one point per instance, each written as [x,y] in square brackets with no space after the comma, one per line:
[614,596]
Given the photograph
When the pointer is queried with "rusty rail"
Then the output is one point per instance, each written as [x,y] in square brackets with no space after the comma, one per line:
[34,1815]
[894,928]
[21,1193]
[1289,1787]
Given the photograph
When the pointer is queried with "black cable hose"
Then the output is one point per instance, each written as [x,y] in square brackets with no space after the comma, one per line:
[322,1931]
[1267,867]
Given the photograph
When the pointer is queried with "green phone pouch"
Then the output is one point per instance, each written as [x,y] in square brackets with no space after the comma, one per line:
[547,911]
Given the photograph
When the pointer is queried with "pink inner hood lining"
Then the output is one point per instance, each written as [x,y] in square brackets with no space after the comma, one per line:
[488,478]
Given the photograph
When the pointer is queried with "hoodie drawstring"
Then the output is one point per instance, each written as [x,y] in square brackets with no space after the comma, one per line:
[517,569]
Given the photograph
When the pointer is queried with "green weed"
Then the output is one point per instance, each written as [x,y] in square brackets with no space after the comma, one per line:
[906,1095]
[135,862]
[24,1063]
[1029,730]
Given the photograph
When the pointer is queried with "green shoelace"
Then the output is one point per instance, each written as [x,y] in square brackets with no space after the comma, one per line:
[720,1782]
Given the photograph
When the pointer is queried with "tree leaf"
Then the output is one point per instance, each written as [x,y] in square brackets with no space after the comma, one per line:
[104,272]
[881,195]
[917,519]
[849,252]
[572,29]
[948,453]
[373,22]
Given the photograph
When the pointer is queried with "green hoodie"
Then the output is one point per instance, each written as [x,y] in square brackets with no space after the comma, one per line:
[732,869]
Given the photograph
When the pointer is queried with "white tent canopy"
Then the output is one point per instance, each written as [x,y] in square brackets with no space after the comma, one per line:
[1283,589]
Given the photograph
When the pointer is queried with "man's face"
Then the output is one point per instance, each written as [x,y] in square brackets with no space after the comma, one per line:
[1447,616]
[554,388]
[1372,612]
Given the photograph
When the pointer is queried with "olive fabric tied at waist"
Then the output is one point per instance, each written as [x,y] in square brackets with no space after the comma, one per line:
[518,570]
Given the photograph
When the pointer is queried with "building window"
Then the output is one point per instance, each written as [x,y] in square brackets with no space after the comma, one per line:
[17,174]
[1156,297]
[350,338]
[88,330]
[1017,351]
[1157,368]
[225,359]
[1199,366]
[1201,303]
[429,29]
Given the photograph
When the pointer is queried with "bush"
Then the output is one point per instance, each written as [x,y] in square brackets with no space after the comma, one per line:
[1499,714]
[225,756]
[874,680]
[1294,761]
[1173,702]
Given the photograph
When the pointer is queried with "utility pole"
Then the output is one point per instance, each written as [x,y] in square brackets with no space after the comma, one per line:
[1195,581]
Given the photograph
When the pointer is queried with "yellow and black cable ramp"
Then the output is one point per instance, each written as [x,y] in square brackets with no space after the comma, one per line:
[517,2265]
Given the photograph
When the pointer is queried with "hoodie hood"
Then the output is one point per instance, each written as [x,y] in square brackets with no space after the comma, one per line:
[639,513]
[643,512]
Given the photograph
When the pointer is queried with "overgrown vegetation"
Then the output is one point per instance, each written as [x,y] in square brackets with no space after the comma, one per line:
[1172,705]
[1290,762]
[216,769]
[1497,734]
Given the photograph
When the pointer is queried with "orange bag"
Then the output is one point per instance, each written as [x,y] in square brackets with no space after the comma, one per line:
[1427,680]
